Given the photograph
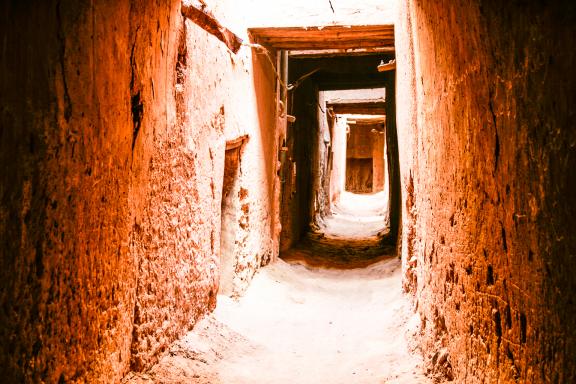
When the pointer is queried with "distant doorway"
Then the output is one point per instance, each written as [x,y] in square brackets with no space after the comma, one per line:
[359,175]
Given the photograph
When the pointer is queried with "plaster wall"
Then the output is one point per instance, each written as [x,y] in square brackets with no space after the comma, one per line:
[111,167]
[485,96]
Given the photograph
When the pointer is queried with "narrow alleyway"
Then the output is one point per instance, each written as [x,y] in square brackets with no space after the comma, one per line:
[305,324]
[287,191]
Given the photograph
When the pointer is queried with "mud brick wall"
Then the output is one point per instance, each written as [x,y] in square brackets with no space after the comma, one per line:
[112,137]
[487,150]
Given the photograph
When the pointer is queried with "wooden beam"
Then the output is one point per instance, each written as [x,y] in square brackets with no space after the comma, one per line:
[326,37]
[197,13]
[323,53]
[331,82]
[339,101]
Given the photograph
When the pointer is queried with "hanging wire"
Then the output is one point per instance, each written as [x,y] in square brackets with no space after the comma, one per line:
[261,49]
[289,87]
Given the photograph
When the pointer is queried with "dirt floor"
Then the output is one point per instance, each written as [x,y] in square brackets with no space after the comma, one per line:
[302,324]
[351,237]
[357,216]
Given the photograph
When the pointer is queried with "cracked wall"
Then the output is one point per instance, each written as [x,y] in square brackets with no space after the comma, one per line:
[485,116]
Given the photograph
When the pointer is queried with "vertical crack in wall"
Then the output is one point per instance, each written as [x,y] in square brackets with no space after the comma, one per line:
[136,103]
[62,57]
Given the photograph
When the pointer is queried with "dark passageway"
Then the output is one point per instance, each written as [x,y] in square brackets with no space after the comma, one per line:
[313,145]
[343,191]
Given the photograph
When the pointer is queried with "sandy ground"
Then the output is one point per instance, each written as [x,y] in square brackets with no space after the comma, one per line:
[300,324]
[351,237]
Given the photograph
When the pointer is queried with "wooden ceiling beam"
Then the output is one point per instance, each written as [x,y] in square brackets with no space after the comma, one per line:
[326,38]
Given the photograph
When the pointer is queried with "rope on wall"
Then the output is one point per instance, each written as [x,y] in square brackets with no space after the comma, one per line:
[198,14]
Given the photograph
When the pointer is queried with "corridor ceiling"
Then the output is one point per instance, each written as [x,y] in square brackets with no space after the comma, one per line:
[341,72]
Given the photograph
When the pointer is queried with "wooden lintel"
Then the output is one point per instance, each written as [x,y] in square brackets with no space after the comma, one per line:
[237,142]
[204,19]
[367,120]
[358,107]
[335,37]
[323,53]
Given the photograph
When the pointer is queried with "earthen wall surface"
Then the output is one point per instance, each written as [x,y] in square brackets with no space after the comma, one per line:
[487,149]
[114,119]
[379,165]
[74,119]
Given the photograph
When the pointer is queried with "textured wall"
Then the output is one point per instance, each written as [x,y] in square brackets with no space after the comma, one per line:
[323,162]
[338,174]
[67,159]
[238,93]
[359,176]
[113,121]
[487,147]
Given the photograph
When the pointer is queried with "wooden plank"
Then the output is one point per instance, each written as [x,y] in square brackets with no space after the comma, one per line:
[237,142]
[320,33]
[342,42]
[330,37]
[375,40]
[389,66]
[310,53]
[358,107]
[325,45]
[316,36]
[197,13]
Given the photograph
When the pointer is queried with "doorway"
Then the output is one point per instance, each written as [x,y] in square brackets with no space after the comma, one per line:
[230,207]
